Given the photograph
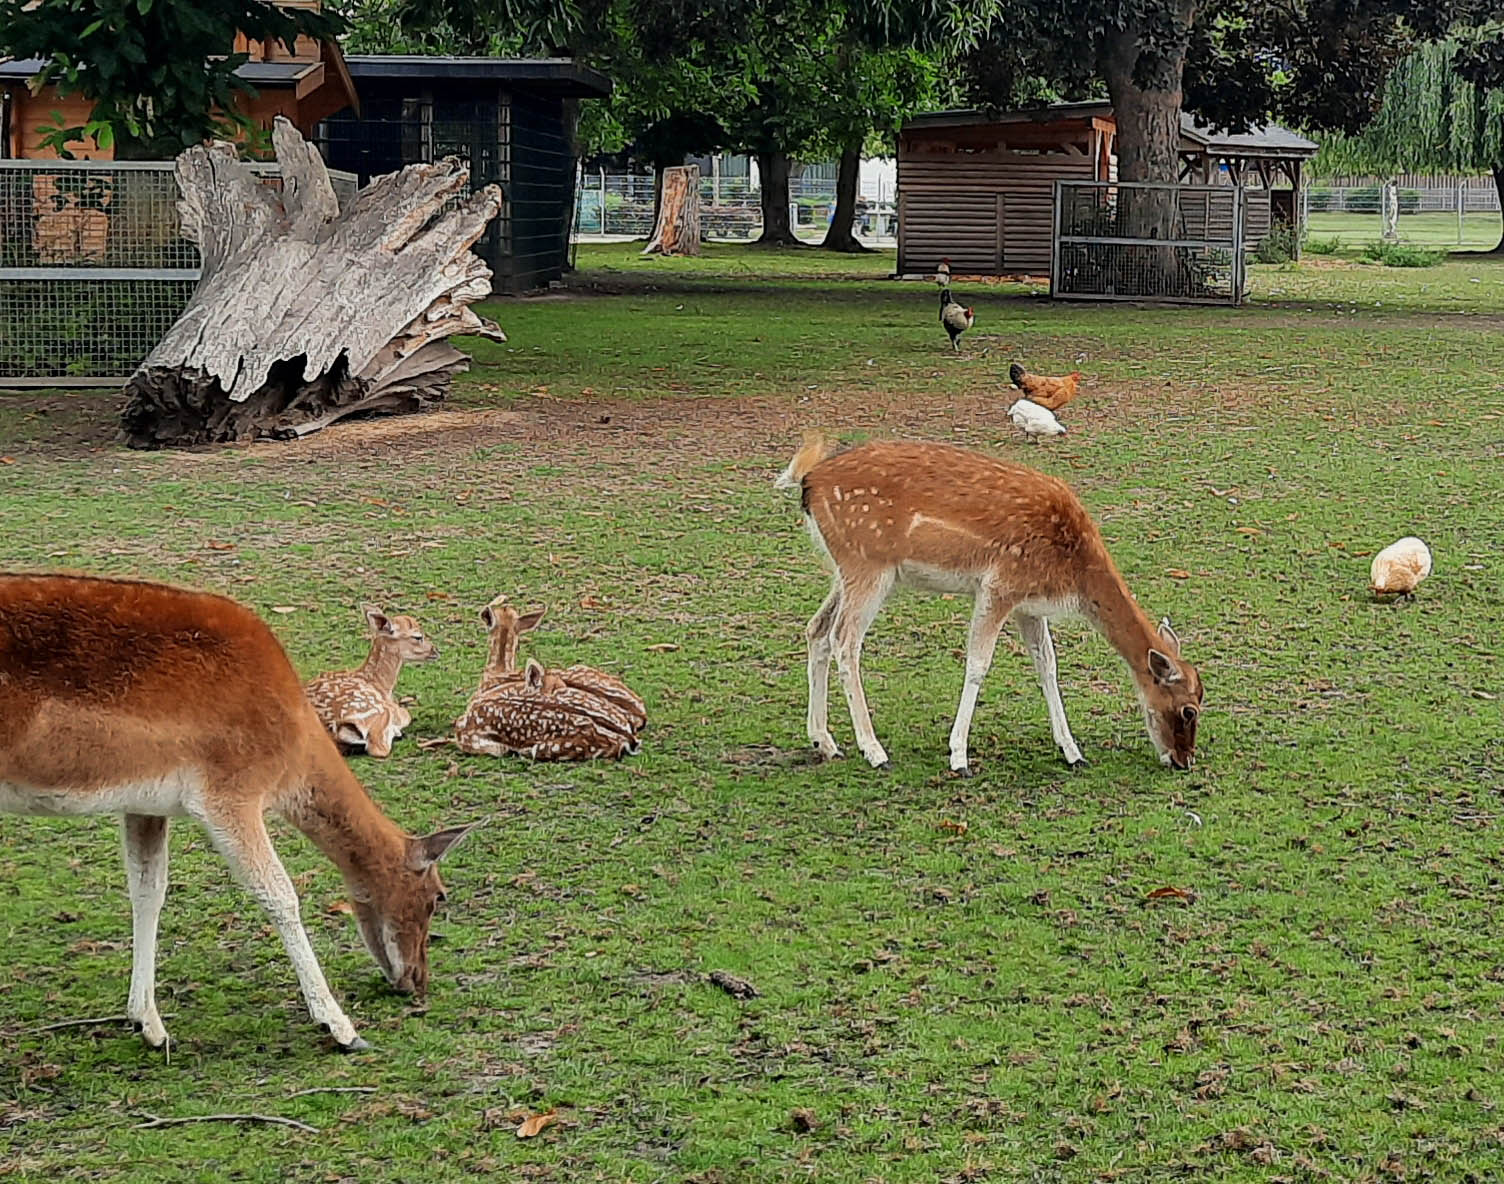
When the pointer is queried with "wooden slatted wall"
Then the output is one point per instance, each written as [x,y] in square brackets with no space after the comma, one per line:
[949,205]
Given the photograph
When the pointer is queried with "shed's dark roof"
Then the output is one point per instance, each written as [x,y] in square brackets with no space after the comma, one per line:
[256,73]
[562,75]
[1266,140]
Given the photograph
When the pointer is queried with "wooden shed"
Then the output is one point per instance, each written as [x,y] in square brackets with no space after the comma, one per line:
[980,189]
[512,119]
[305,85]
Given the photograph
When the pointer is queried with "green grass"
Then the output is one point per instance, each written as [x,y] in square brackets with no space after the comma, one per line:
[959,980]
[1480,230]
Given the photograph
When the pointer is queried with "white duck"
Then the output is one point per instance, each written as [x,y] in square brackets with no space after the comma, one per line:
[1400,567]
[1034,421]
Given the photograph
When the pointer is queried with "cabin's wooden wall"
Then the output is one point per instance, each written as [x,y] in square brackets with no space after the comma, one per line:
[991,211]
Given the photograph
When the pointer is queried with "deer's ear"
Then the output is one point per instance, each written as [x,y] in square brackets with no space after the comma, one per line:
[1167,635]
[425,852]
[530,620]
[378,620]
[488,618]
[534,675]
[1164,668]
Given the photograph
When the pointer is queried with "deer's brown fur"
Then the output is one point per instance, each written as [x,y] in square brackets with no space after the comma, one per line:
[149,701]
[359,707]
[946,519]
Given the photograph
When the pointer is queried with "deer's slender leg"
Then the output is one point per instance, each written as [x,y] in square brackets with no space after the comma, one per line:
[987,616]
[145,841]
[242,840]
[821,641]
[1036,635]
[861,599]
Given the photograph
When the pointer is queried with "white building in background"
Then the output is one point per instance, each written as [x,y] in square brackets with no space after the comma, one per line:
[878,180]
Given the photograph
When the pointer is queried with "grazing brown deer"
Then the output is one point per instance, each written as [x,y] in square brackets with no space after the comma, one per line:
[152,702]
[944,519]
[359,707]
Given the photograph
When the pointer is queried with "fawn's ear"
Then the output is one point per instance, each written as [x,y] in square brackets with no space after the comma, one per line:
[1164,668]
[530,620]
[1167,635]
[423,853]
[488,618]
[534,675]
[378,620]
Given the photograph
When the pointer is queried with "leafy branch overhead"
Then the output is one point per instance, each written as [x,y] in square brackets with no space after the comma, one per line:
[155,71]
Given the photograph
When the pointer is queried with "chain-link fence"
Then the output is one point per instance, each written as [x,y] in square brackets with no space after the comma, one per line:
[613,205]
[1120,240]
[93,266]
[1464,215]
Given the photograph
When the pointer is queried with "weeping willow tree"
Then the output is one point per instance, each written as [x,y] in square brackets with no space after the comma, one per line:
[1442,111]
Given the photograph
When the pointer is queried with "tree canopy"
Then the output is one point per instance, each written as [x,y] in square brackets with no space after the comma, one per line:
[1442,111]
[156,72]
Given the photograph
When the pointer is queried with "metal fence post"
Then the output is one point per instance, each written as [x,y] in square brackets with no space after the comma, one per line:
[1461,209]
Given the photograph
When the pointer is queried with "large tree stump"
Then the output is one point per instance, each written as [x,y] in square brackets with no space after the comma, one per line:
[678,230]
[304,314]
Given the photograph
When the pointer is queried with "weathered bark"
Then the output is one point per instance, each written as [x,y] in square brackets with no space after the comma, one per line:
[1498,171]
[678,227]
[773,174]
[304,314]
[842,233]
[1146,89]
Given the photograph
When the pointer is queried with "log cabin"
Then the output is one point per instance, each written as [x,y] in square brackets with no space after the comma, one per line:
[980,189]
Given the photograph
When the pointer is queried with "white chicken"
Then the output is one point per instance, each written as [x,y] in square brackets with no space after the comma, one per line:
[1036,422]
[1400,567]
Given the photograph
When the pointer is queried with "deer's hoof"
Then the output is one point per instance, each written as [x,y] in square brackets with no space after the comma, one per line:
[357,1044]
[1079,763]
[963,771]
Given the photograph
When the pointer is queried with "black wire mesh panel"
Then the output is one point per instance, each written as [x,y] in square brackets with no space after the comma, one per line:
[94,268]
[1120,241]
[66,329]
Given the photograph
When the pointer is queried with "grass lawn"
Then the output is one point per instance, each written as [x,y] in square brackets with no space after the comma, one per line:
[958,980]
[1480,229]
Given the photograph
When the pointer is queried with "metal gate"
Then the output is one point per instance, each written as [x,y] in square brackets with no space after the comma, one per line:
[1134,240]
[93,266]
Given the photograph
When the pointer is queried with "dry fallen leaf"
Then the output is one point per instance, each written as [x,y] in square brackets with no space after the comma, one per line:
[439,596]
[7,460]
[1171,893]
[592,602]
[340,906]
[217,545]
[663,647]
[950,824]
[536,1123]
[284,608]
[1250,530]
[1178,573]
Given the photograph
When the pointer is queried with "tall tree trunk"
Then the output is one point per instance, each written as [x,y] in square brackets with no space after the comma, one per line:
[1145,85]
[841,236]
[1498,172]
[773,170]
[678,229]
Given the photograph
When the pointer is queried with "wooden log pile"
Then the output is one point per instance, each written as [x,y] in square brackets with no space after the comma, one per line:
[306,314]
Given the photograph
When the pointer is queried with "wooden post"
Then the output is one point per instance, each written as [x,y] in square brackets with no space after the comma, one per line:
[678,230]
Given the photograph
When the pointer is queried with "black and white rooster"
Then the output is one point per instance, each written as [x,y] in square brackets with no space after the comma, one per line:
[955,318]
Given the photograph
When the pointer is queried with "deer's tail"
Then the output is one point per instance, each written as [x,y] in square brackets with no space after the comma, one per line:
[812,450]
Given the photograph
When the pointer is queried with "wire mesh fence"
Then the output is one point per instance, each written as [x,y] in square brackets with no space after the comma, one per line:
[1137,241]
[614,205]
[1465,214]
[94,267]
